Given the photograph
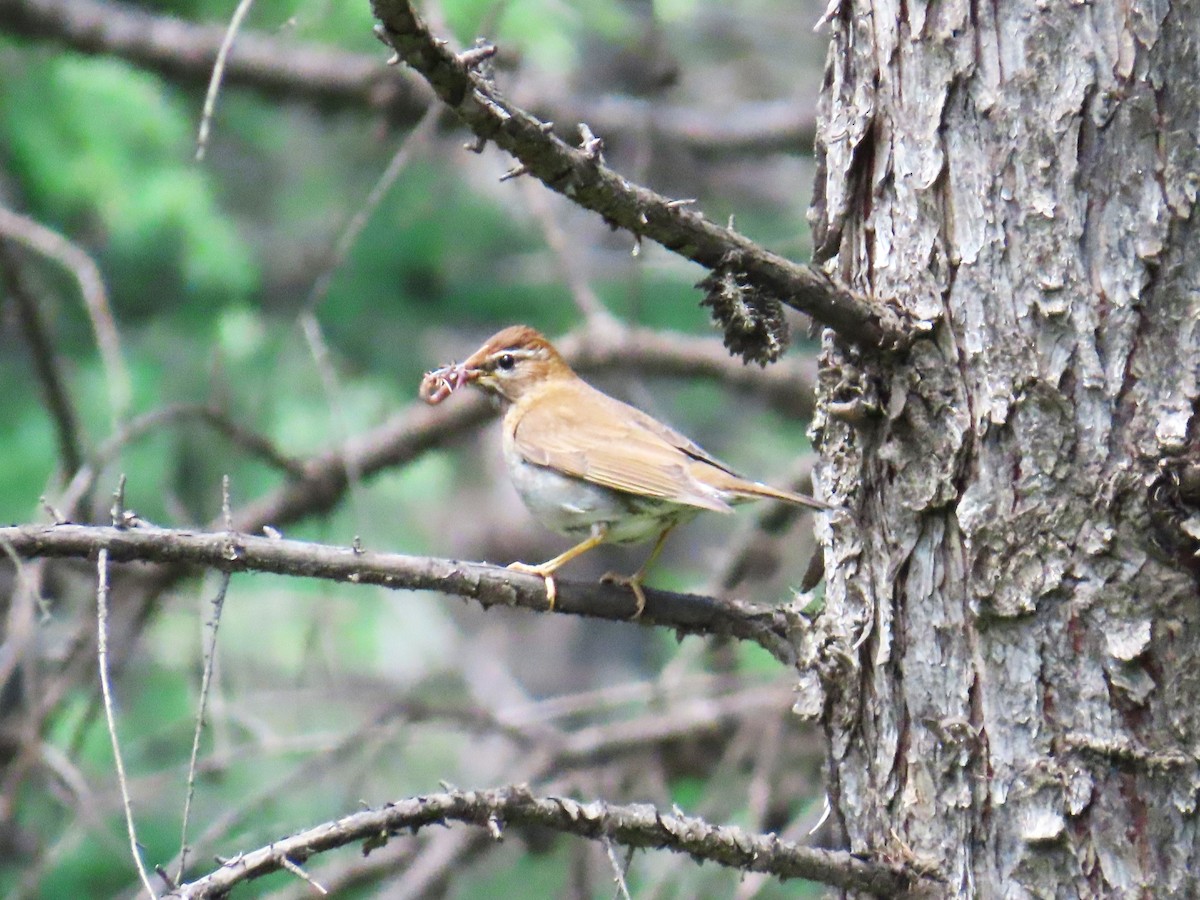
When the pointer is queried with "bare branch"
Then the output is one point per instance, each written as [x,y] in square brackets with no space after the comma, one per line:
[45,361]
[75,260]
[210,656]
[257,445]
[412,142]
[580,174]
[632,826]
[218,73]
[110,715]
[488,585]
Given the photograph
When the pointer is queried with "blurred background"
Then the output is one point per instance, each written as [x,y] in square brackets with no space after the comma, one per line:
[265,314]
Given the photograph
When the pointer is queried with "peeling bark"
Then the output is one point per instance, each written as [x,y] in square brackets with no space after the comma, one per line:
[1009,656]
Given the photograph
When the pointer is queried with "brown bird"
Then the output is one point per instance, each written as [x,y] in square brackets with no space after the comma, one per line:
[588,465]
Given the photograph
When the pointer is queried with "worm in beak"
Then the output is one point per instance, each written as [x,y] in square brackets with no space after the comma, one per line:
[439,384]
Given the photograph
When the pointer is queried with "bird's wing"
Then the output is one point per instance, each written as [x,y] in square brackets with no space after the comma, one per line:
[624,449]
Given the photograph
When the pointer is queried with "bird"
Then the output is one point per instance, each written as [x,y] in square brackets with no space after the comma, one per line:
[588,465]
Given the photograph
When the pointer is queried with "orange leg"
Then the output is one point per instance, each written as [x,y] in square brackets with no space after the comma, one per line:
[634,581]
[547,569]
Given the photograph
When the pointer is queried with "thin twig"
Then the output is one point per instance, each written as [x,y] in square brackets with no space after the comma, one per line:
[74,259]
[618,868]
[323,360]
[45,361]
[218,71]
[210,654]
[301,874]
[586,299]
[135,429]
[110,716]
[354,228]
[310,324]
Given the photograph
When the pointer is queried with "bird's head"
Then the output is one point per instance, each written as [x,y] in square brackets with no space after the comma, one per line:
[509,364]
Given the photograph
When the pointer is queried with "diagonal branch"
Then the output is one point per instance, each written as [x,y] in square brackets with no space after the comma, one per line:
[634,826]
[46,362]
[580,174]
[66,253]
[227,551]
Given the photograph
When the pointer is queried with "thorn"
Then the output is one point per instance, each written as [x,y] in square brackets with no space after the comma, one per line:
[515,172]
[495,829]
[165,876]
[592,146]
[491,105]
[676,204]
[53,512]
[637,246]
[117,511]
[545,127]
[470,59]
[477,145]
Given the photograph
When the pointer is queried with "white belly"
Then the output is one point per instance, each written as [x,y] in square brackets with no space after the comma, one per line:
[575,507]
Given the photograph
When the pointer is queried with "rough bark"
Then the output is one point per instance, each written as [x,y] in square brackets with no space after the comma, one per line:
[1010,677]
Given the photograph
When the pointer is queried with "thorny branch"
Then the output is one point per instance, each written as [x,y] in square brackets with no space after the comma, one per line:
[579,173]
[227,551]
[637,826]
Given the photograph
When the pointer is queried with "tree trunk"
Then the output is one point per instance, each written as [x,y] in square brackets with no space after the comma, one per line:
[1009,654]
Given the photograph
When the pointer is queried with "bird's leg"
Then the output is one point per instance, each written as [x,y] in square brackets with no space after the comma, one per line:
[634,581]
[547,569]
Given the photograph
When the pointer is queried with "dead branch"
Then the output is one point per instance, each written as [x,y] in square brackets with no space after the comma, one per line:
[488,585]
[636,826]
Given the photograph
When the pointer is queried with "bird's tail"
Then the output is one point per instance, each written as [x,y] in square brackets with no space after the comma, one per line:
[754,489]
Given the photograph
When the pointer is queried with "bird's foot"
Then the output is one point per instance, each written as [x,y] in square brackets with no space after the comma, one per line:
[545,574]
[634,583]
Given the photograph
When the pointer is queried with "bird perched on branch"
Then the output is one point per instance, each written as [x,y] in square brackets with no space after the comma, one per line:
[588,465]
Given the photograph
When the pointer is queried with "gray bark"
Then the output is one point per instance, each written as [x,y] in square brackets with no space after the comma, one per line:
[1008,661]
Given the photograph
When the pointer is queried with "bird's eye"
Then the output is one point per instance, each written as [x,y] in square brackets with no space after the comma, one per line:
[506,361]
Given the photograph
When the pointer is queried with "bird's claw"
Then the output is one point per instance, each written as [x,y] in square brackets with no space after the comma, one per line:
[634,583]
[551,588]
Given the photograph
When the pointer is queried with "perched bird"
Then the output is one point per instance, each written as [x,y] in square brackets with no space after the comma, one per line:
[588,465]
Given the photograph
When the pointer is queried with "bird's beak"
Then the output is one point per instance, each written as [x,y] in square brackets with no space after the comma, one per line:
[439,384]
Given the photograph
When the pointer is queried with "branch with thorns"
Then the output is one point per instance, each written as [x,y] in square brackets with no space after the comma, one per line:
[633,826]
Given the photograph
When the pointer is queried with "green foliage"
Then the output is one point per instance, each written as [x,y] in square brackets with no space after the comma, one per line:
[104,150]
